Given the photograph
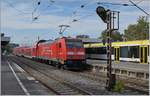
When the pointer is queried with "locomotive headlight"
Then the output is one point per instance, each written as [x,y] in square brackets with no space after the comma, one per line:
[80,53]
[70,57]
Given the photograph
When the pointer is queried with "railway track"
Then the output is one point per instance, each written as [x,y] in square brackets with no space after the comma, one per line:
[87,85]
[129,84]
[54,83]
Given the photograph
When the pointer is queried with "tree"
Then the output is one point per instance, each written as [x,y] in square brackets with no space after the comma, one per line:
[139,31]
[10,46]
[82,36]
[116,36]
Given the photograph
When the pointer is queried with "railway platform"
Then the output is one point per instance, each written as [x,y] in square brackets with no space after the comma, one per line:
[129,69]
[15,81]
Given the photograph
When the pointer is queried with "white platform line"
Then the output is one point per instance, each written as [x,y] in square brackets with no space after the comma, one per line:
[18,67]
[20,83]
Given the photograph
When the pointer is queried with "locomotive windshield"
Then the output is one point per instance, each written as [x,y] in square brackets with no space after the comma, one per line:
[74,43]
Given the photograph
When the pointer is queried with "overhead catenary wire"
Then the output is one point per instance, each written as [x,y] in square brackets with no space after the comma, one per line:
[87,15]
[107,3]
[139,2]
[73,17]
[34,10]
[98,2]
[76,10]
[102,3]
[139,8]
[122,4]
[18,10]
[34,18]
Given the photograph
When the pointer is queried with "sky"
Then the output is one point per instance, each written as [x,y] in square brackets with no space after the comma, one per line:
[18,23]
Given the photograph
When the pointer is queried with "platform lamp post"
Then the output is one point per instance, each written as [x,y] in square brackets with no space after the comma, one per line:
[108,17]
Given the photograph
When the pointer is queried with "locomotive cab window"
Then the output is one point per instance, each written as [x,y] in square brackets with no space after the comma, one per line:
[76,44]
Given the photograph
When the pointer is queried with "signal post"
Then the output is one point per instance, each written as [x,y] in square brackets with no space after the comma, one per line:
[108,17]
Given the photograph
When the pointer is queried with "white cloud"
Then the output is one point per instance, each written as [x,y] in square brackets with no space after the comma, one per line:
[23,22]
[92,25]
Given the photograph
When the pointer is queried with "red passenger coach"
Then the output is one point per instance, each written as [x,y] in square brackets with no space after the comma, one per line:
[23,51]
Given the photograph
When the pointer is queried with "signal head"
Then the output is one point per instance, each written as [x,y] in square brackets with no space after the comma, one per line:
[102,13]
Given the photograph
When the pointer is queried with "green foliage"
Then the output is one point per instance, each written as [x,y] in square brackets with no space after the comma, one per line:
[116,36]
[83,36]
[9,47]
[119,87]
[139,31]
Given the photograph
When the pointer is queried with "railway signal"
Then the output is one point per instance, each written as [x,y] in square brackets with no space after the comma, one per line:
[108,17]
[102,13]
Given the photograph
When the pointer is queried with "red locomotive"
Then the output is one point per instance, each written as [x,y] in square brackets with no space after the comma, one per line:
[63,52]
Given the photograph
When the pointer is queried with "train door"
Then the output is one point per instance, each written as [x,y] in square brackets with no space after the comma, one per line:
[59,49]
[117,54]
[143,54]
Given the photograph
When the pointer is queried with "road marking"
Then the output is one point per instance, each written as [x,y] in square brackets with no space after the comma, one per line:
[18,67]
[20,83]
[30,78]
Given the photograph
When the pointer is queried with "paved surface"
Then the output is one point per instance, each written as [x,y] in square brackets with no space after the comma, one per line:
[123,65]
[15,81]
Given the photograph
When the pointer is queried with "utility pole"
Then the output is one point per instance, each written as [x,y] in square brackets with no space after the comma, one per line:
[62,29]
[108,17]
[38,38]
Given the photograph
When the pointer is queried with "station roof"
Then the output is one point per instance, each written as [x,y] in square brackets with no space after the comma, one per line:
[4,40]
[123,43]
[90,40]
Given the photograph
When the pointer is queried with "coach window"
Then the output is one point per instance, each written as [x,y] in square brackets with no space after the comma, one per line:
[102,50]
[59,45]
[124,51]
[134,52]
